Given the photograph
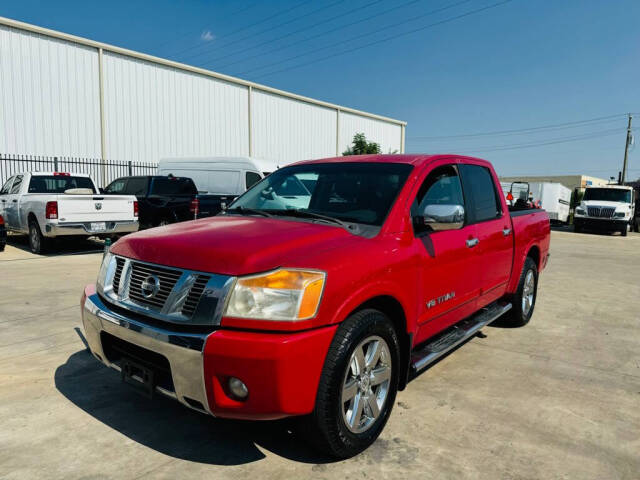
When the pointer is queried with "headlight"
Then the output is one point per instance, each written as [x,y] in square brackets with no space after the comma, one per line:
[104,268]
[286,294]
[620,214]
[580,211]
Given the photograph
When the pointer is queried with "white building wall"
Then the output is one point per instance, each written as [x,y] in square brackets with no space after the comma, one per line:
[388,135]
[49,96]
[289,130]
[152,108]
[153,111]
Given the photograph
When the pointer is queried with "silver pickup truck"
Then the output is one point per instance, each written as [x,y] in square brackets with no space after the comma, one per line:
[46,205]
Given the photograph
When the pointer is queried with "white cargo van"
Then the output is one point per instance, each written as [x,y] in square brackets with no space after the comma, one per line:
[223,176]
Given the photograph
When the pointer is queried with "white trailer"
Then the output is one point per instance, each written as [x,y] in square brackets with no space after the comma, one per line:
[554,197]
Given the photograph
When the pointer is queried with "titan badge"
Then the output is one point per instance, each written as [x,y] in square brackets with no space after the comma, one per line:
[441,299]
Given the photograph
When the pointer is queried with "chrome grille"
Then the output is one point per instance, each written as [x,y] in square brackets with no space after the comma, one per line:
[167,279]
[601,212]
[118,274]
[195,293]
[170,294]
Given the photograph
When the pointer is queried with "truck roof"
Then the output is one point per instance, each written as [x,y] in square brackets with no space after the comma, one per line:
[618,187]
[411,159]
[263,165]
[49,174]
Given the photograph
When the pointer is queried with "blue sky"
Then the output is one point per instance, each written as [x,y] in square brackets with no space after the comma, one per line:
[523,64]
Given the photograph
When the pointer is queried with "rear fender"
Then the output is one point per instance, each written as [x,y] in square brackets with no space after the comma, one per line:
[518,264]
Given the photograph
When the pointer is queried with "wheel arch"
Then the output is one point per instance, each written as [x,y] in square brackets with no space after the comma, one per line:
[534,254]
[392,308]
[34,217]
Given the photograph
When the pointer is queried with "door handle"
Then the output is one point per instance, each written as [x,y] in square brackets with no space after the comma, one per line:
[14,201]
[472,242]
[506,231]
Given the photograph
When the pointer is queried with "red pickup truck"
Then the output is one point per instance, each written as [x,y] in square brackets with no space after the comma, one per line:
[318,293]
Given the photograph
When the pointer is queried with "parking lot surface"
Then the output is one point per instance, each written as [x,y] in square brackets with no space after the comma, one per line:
[558,398]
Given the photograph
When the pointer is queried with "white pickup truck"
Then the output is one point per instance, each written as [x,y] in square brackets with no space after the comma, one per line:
[53,204]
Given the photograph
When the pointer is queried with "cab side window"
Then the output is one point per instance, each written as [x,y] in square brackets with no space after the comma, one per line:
[6,186]
[117,186]
[137,186]
[484,203]
[441,187]
[16,185]
[251,179]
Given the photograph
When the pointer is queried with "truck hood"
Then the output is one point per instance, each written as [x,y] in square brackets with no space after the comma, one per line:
[233,245]
[604,203]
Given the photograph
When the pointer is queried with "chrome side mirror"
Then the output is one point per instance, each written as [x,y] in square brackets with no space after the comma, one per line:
[442,217]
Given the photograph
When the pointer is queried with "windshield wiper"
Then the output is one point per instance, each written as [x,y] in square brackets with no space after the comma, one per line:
[248,211]
[309,214]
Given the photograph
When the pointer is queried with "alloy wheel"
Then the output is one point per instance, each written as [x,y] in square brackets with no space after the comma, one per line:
[35,239]
[366,384]
[528,292]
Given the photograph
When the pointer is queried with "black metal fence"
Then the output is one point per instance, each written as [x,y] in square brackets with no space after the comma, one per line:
[102,171]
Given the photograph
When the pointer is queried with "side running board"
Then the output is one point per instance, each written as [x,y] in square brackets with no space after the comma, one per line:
[436,347]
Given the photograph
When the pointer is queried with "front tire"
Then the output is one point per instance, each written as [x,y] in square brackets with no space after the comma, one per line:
[37,242]
[358,385]
[623,232]
[524,300]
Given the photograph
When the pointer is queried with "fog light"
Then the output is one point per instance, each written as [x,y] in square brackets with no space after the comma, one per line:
[238,389]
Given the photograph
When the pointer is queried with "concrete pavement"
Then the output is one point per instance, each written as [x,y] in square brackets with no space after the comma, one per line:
[558,398]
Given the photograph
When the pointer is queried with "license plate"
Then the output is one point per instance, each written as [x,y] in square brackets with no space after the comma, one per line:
[138,376]
[98,226]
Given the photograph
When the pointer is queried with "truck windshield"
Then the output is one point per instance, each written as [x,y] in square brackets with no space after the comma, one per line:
[608,194]
[173,186]
[58,183]
[350,192]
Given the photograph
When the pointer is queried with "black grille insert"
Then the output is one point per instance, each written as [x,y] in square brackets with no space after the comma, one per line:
[118,274]
[195,293]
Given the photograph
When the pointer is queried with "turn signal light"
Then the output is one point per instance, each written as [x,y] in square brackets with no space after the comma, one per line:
[51,210]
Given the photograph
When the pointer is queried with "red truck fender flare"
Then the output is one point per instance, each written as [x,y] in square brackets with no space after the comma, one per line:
[368,294]
[387,298]
[531,250]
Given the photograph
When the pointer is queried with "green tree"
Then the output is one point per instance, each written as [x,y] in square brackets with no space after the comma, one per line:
[360,146]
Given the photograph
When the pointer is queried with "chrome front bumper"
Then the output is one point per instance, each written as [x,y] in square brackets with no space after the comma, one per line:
[182,350]
[60,229]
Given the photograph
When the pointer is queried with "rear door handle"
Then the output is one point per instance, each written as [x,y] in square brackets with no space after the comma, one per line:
[14,201]
[506,231]
[472,242]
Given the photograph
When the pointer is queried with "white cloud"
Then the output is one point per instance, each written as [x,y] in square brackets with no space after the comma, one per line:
[207,36]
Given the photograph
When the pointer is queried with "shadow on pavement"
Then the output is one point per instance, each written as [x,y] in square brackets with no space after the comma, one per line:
[61,246]
[170,428]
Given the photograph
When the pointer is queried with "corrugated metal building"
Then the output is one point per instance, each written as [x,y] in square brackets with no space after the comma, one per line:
[69,96]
